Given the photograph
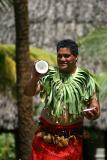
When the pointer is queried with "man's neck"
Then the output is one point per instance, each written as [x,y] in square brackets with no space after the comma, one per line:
[73,70]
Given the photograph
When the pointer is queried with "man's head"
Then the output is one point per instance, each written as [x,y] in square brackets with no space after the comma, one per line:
[67,53]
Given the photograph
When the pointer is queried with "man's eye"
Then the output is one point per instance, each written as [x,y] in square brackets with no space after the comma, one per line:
[66,56]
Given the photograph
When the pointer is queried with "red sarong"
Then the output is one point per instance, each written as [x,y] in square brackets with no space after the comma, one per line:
[44,151]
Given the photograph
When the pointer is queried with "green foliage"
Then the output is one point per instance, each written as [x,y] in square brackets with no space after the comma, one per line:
[37,53]
[102,79]
[93,51]
[8,50]
[75,91]
[93,47]
[8,64]
[7,146]
[7,71]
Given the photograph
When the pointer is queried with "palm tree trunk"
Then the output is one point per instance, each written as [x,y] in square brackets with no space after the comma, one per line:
[25,125]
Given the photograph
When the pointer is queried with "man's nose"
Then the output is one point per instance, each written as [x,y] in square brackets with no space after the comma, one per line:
[62,58]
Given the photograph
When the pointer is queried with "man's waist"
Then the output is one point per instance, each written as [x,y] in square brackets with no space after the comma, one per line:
[60,130]
[66,133]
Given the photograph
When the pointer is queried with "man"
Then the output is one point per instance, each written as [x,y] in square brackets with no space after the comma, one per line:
[67,90]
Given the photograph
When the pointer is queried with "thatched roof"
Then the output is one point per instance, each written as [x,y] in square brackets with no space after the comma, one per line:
[8,114]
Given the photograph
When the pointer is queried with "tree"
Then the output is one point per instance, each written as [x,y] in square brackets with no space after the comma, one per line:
[25,125]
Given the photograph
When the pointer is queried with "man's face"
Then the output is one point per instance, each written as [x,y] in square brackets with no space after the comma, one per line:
[66,60]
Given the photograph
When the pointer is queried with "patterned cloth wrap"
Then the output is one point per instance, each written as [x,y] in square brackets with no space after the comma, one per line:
[57,142]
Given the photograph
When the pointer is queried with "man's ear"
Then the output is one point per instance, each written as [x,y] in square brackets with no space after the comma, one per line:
[76,57]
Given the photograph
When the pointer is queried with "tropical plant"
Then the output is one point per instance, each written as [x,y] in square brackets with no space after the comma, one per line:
[7,71]
[93,52]
[102,79]
[93,49]
[8,64]
[7,146]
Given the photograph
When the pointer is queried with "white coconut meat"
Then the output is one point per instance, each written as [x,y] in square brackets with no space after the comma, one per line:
[41,66]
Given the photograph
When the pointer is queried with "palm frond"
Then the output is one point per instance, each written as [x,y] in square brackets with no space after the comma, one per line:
[102,80]
[67,90]
[93,48]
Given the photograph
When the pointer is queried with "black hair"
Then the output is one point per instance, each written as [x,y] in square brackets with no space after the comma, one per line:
[68,43]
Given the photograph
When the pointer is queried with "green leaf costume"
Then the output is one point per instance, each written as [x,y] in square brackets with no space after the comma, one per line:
[72,91]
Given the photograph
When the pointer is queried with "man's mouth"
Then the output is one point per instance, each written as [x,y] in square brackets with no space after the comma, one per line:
[64,63]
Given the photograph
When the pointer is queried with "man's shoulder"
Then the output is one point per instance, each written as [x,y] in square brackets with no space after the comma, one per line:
[90,75]
[87,74]
[84,71]
[52,68]
[51,72]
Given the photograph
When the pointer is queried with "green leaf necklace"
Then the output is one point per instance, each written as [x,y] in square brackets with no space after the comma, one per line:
[70,91]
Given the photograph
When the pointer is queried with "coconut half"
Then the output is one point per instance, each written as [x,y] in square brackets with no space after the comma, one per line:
[41,66]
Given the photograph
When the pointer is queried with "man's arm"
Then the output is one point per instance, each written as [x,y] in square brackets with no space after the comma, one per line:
[95,112]
[33,86]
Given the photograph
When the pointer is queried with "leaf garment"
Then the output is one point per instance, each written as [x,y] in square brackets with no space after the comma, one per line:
[70,90]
